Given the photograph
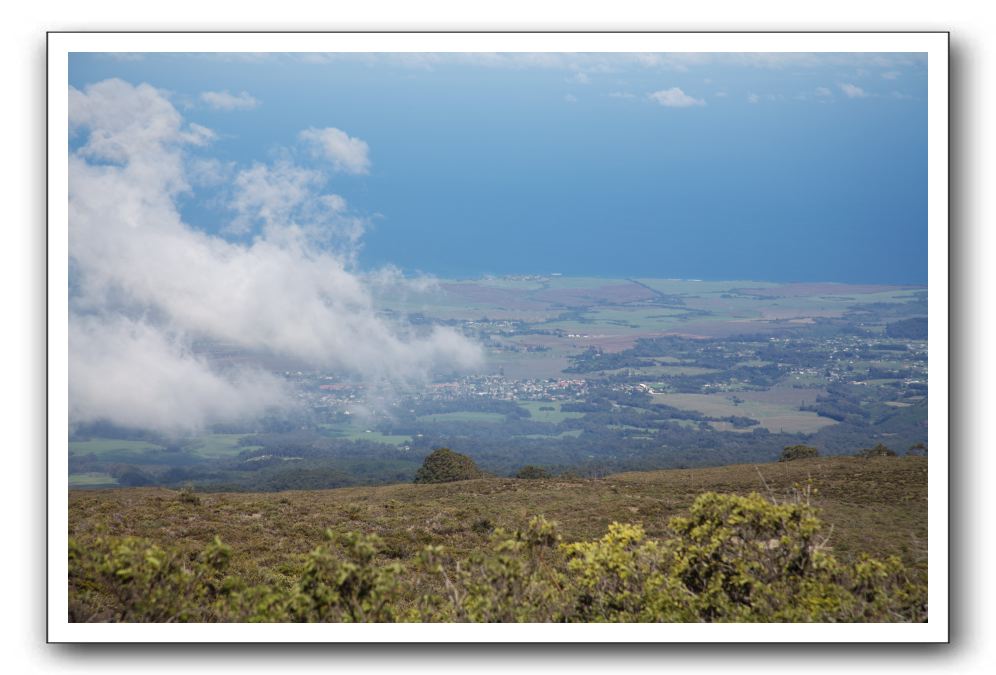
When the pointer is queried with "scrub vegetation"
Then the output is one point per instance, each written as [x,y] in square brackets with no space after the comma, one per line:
[819,539]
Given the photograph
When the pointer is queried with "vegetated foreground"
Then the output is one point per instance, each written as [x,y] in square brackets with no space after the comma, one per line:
[698,547]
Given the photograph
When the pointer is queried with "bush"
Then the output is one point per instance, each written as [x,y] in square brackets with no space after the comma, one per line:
[129,579]
[347,588]
[878,451]
[188,496]
[791,452]
[917,450]
[444,466]
[530,472]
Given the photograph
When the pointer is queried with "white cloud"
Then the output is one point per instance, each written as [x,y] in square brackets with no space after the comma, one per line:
[570,98]
[135,374]
[222,100]
[675,98]
[753,98]
[720,94]
[580,78]
[621,94]
[852,90]
[271,194]
[148,289]
[346,153]
[823,92]
[890,75]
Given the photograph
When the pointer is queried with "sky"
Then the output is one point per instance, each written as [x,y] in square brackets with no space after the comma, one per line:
[263,202]
[777,167]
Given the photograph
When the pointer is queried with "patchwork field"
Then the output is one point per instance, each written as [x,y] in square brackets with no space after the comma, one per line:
[774,417]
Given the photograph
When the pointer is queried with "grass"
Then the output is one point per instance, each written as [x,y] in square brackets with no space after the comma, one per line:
[100,446]
[463,416]
[572,433]
[773,416]
[359,432]
[555,416]
[91,479]
[877,506]
[213,446]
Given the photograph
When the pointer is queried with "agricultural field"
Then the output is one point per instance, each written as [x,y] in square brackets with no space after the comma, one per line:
[483,417]
[540,411]
[100,446]
[773,416]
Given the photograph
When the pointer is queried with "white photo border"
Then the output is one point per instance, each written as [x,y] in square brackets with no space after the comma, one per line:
[61,44]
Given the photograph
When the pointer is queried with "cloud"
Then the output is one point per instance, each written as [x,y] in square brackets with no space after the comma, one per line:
[222,100]
[346,153]
[720,94]
[891,75]
[753,98]
[823,92]
[154,300]
[137,375]
[675,98]
[852,90]
[580,78]
[621,94]
[570,98]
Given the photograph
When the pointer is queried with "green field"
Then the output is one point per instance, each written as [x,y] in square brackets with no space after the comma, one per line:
[212,446]
[555,416]
[773,416]
[99,446]
[573,433]
[91,479]
[359,432]
[464,416]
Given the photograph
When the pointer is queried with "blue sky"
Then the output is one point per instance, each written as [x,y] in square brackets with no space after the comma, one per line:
[770,167]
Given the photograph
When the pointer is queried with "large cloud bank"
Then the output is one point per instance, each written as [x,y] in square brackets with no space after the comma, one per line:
[147,288]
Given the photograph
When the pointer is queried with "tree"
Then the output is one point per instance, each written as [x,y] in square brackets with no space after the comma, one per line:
[791,452]
[444,466]
[879,450]
[529,472]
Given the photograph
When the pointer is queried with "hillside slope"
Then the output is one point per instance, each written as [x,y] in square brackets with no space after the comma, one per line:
[876,506]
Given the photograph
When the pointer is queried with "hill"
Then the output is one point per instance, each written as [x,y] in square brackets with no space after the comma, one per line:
[876,506]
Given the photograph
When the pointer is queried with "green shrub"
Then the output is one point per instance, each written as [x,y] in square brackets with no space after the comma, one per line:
[347,587]
[532,472]
[879,450]
[791,452]
[444,466]
[188,496]
[129,579]
[516,580]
